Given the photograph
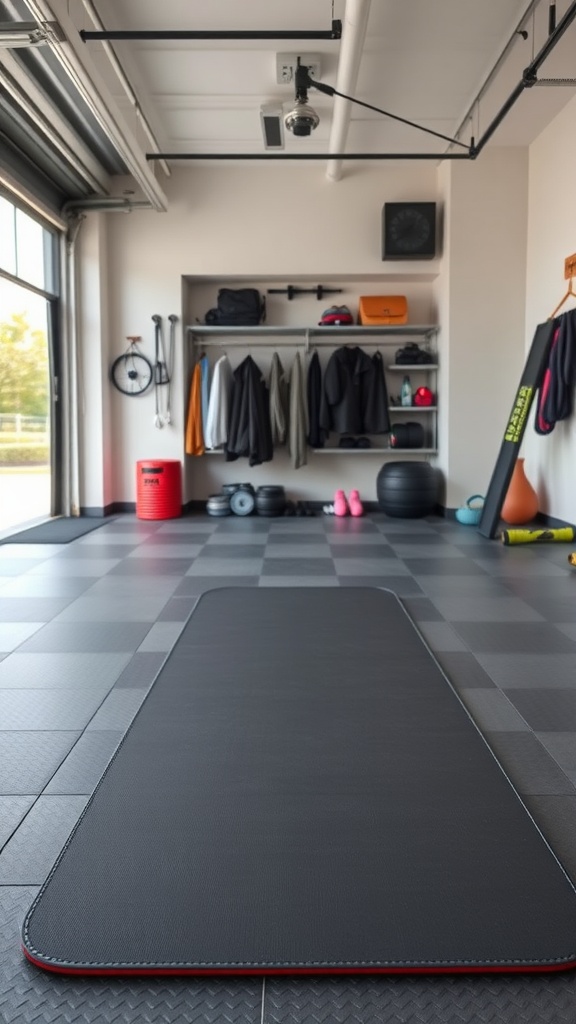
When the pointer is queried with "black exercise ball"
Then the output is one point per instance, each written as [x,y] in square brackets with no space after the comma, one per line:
[407,490]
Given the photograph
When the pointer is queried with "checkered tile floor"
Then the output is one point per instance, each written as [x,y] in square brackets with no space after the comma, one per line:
[85,628]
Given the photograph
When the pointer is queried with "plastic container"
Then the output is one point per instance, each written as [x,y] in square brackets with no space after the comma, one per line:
[158,489]
[406,392]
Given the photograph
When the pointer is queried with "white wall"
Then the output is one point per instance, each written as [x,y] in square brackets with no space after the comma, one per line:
[288,224]
[551,238]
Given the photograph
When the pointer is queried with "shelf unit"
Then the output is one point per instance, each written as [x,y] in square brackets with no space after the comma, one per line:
[312,337]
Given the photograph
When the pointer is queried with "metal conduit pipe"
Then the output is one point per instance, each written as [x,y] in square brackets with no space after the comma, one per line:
[355,22]
[120,74]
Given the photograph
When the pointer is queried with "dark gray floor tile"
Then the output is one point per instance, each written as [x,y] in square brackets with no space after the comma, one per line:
[492,711]
[360,566]
[421,609]
[251,540]
[151,567]
[375,551]
[193,586]
[12,811]
[554,609]
[528,763]
[95,673]
[463,670]
[297,550]
[84,766]
[44,710]
[556,816]
[448,587]
[226,566]
[443,567]
[32,996]
[157,550]
[118,710]
[546,710]
[233,551]
[441,636]
[562,747]
[510,637]
[348,526]
[527,670]
[28,759]
[298,581]
[105,549]
[298,567]
[87,637]
[404,586]
[28,856]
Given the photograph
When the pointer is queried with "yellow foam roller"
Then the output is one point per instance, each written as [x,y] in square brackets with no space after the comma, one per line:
[563,533]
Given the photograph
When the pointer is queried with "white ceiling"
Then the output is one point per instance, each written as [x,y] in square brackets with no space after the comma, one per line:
[422,60]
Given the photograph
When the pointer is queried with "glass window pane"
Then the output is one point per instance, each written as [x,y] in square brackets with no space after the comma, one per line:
[7,237]
[25,429]
[30,250]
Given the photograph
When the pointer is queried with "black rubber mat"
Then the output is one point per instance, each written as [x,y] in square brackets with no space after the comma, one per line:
[60,530]
[303,791]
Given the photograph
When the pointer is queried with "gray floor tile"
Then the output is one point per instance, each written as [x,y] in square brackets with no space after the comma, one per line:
[161,637]
[528,763]
[28,760]
[193,586]
[492,711]
[15,633]
[436,550]
[140,608]
[91,672]
[12,811]
[568,629]
[87,637]
[149,568]
[177,609]
[152,549]
[463,670]
[46,586]
[249,540]
[509,637]
[31,609]
[298,567]
[460,586]
[363,551]
[74,567]
[128,586]
[232,552]
[63,710]
[527,670]
[107,550]
[298,581]
[533,567]
[554,609]
[118,710]
[546,710]
[141,670]
[225,567]
[30,853]
[80,773]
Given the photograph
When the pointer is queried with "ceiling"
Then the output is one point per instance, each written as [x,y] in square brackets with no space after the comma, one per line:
[425,62]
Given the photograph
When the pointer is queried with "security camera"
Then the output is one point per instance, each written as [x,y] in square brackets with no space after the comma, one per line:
[302,119]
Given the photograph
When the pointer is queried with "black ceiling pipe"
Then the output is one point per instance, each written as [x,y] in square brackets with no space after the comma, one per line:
[529,78]
[335,32]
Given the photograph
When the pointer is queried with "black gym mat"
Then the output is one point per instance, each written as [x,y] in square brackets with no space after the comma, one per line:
[303,791]
[60,530]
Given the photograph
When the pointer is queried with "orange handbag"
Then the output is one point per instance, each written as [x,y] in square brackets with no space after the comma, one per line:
[382,310]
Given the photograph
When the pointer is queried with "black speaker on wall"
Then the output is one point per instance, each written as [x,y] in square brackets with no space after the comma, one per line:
[409,231]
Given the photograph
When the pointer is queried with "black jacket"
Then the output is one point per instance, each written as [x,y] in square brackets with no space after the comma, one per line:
[354,397]
[314,395]
[249,430]
[556,393]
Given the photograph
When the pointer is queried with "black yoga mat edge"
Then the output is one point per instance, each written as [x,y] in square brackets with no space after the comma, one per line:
[566,962]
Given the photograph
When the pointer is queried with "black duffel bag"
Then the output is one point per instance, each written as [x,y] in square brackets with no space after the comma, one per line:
[412,355]
[237,307]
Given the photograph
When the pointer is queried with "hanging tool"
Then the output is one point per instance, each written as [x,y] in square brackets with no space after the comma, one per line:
[291,290]
[170,367]
[161,376]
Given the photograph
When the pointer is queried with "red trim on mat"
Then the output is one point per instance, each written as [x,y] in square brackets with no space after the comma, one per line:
[152,971]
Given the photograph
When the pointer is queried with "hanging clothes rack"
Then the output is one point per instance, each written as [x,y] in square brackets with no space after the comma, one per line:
[569,294]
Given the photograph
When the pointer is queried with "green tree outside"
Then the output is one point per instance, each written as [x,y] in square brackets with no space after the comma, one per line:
[24,371]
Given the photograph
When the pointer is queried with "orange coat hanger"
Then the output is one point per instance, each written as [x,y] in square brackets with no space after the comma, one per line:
[564,299]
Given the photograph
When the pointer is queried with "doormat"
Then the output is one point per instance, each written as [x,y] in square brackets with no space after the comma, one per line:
[60,530]
[302,791]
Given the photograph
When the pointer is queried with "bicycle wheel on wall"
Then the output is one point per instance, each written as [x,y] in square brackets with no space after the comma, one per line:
[131,373]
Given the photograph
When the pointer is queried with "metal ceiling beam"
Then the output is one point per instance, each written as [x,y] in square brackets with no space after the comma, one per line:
[310,156]
[148,35]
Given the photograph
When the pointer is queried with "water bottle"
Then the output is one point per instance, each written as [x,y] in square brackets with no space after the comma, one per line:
[406,392]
